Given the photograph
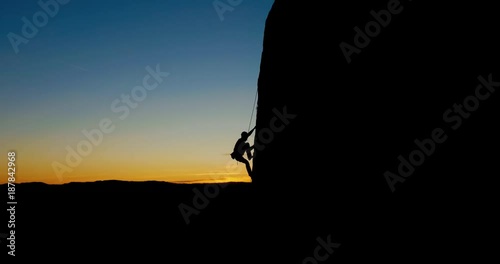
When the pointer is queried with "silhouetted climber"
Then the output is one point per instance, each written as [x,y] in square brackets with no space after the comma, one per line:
[241,147]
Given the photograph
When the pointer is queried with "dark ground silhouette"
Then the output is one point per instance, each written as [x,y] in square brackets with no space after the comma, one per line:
[327,132]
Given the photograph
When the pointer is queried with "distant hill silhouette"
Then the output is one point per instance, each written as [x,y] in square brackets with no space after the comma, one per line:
[119,218]
[328,131]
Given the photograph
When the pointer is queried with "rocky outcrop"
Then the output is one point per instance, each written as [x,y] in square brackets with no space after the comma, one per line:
[350,95]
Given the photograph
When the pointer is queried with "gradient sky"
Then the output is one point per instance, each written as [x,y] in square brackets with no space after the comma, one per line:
[90,53]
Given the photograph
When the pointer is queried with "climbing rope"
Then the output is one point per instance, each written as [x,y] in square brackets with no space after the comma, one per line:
[253,109]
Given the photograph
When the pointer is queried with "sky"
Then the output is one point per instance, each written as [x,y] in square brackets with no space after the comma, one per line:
[155,90]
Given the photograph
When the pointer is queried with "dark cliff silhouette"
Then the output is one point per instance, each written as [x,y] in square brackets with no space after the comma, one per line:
[328,130]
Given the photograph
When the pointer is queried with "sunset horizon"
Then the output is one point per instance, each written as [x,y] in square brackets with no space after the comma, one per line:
[93,96]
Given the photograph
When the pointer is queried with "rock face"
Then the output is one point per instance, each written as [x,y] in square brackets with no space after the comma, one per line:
[359,99]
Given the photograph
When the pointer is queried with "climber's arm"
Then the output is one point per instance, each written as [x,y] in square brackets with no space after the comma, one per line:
[251,131]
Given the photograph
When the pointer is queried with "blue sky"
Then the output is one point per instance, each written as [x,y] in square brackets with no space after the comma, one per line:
[89,53]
